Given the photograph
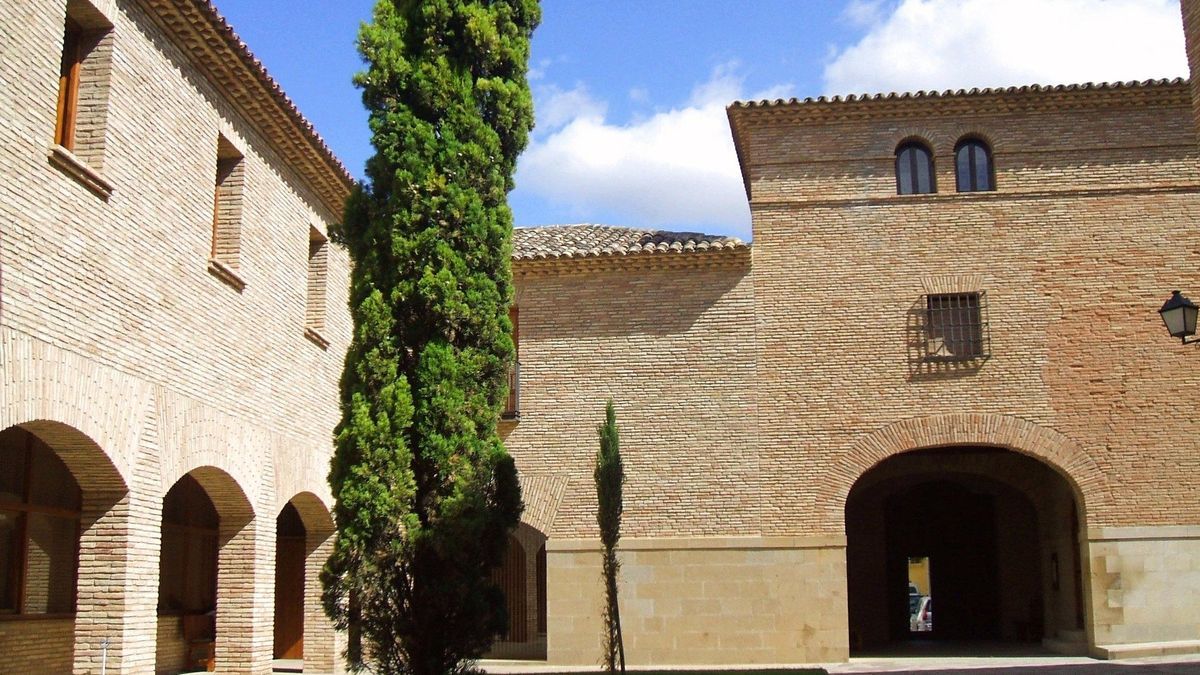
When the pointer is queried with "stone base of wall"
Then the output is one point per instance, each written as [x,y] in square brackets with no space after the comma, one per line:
[37,645]
[1145,588]
[735,600]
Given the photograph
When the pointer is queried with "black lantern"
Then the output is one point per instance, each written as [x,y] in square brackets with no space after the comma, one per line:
[1179,314]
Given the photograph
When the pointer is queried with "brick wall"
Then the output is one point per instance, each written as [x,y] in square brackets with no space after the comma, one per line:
[1084,237]
[114,326]
[673,349]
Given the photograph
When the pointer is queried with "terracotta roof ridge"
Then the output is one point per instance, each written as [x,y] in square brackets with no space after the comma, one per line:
[546,242]
[173,15]
[958,93]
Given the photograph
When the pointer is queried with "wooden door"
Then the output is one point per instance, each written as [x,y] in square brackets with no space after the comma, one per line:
[289,597]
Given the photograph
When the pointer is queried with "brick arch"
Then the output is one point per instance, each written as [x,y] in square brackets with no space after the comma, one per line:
[194,435]
[301,468]
[56,390]
[1088,482]
[542,494]
[228,497]
[314,513]
[92,467]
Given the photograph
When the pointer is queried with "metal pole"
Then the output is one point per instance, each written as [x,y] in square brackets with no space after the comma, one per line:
[103,655]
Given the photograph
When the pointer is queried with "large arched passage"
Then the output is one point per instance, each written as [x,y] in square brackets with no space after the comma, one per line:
[988,535]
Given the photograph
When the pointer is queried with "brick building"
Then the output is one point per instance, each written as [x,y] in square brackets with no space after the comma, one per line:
[942,345]
[168,360]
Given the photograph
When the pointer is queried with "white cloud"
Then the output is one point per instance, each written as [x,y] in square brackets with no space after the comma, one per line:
[674,167]
[556,107]
[949,44]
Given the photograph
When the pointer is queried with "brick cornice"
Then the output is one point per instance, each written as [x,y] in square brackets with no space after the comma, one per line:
[207,39]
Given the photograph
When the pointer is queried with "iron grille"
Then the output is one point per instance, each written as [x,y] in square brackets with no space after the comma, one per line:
[956,327]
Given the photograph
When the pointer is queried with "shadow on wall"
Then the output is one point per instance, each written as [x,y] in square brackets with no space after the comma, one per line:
[638,301]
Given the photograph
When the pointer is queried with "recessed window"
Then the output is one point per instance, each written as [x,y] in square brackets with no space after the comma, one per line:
[83,83]
[227,205]
[956,327]
[914,169]
[512,404]
[39,527]
[318,270]
[973,166]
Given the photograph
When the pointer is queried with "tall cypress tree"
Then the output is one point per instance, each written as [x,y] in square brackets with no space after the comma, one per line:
[610,479]
[425,490]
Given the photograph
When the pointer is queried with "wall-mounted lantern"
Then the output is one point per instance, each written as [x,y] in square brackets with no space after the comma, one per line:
[1179,314]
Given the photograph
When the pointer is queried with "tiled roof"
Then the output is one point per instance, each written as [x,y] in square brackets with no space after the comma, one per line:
[594,241]
[986,91]
[208,39]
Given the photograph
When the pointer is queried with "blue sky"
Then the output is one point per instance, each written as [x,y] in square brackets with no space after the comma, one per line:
[630,95]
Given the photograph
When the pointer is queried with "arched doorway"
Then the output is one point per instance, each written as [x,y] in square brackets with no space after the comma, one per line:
[205,612]
[987,536]
[289,584]
[303,635]
[522,579]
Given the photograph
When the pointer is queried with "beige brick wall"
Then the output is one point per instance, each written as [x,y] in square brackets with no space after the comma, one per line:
[673,349]
[115,335]
[704,600]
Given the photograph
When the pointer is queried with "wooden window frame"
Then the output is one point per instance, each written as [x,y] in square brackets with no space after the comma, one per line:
[67,117]
[19,572]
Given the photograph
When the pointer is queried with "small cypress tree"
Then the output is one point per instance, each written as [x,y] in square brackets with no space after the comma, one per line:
[610,477]
[425,490]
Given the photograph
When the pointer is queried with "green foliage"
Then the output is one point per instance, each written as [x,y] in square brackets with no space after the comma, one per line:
[425,489]
[610,477]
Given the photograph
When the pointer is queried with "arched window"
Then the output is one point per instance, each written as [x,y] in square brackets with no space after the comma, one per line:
[973,165]
[39,527]
[914,169]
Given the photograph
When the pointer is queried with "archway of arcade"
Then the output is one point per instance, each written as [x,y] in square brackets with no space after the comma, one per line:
[990,537]
[63,507]
[522,578]
[206,574]
[303,635]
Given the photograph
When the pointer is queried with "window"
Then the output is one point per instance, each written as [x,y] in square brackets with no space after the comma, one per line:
[973,166]
[956,327]
[227,214]
[187,566]
[512,405]
[39,527]
[68,85]
[914,169]
[318,269]
[83,83]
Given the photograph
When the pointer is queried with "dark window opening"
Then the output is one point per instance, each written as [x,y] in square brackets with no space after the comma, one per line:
[973,166]
[914,169]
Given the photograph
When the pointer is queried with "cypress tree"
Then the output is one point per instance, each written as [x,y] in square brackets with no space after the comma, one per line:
[425,490]
[610,477]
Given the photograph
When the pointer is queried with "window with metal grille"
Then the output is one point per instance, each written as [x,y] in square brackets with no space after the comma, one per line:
[956,327]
